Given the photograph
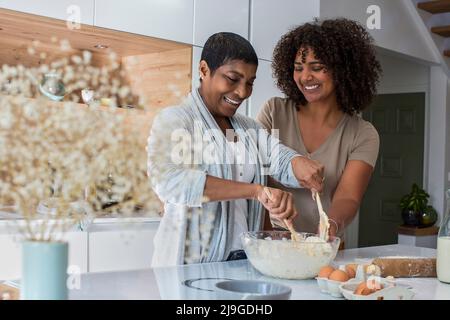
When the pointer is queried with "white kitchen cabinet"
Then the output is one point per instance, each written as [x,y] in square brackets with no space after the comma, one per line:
[11,252]
[166,19]
[196,55]
[106,247]
[125,248]
[271,19]
[263,88]
[233,17]
[59,9]
[78,250]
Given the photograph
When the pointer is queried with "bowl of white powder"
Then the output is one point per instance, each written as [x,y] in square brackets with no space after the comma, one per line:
[274,254]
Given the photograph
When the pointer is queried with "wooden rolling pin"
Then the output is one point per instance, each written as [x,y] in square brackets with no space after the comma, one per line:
[406,267]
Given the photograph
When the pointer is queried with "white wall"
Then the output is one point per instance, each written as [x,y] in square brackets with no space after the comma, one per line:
[234,17]
[447,147]
[270,19]
[171,20]
[263,89]
[402,75]
[438,141]
[399,31]
[196,55]
[54,8]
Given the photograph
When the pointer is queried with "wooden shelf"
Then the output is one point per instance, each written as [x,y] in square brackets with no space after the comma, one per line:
[447,53]
[20,29]
[157,69]
[443,31]
[438,6]
[415,231]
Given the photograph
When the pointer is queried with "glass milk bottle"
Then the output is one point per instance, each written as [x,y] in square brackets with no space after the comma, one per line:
[443,245]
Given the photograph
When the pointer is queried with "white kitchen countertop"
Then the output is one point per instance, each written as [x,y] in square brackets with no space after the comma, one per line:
[9,221]
[178,282]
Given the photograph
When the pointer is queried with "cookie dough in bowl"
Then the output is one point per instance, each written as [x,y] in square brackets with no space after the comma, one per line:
[274,254]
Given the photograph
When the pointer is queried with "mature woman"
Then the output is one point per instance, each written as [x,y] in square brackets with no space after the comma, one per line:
[328,72]
[209,164]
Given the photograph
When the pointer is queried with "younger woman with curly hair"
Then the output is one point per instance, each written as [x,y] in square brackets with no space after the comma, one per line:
[328,72]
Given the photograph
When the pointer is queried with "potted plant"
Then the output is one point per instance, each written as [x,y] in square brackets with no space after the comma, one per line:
[415,209]
[57,156]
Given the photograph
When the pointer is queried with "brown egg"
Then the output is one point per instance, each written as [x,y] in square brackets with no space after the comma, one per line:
[339,275]
[351,270]
[354,266]
[369,287]
[325,272]
[362,289]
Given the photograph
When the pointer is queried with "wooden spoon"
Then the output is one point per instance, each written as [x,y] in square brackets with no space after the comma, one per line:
[288,223]
[324,225]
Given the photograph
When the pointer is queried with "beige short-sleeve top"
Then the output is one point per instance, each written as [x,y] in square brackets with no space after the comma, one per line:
[352,139]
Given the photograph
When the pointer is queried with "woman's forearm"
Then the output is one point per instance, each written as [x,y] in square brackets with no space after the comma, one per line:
[349,193]
[217,189]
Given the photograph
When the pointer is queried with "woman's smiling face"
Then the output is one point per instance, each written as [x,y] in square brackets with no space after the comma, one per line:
[224,90]
[312,77]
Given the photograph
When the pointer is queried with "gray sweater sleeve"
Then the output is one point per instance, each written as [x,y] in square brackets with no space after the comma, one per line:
[173,178]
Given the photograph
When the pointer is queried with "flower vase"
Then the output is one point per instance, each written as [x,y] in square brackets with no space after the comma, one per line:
[44,270]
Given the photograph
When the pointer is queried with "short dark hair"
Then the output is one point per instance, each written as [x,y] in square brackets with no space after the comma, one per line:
[222,47]
[344,47]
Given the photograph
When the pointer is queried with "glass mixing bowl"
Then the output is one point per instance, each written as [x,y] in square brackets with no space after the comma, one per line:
[274,254]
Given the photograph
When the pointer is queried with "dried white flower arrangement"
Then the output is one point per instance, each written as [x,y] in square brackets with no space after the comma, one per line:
[78,160]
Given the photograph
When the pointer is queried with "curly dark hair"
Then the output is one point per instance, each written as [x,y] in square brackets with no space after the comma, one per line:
[344,47]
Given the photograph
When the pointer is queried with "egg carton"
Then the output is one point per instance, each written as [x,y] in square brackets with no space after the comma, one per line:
[391,291]
[332,286]
[391,288]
